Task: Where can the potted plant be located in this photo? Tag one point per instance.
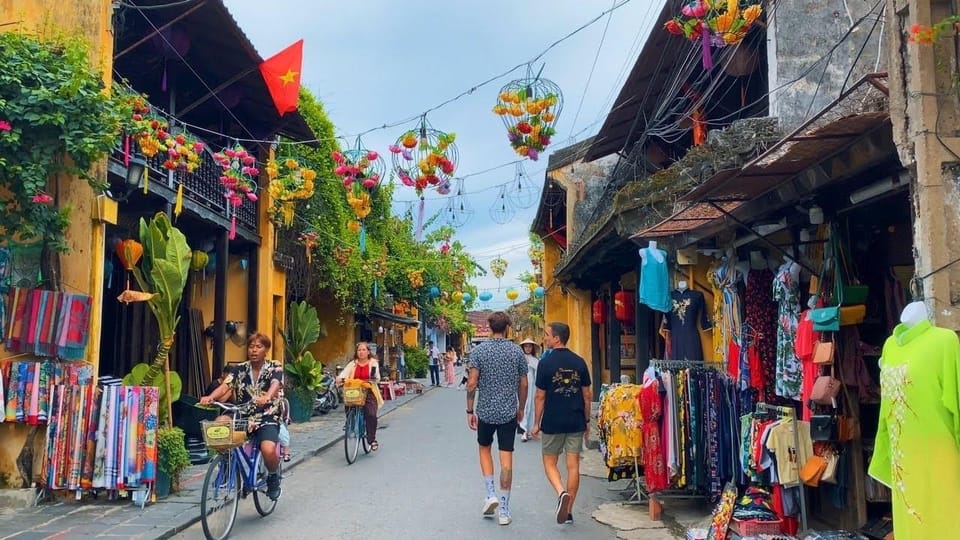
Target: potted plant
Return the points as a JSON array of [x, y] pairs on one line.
[[173, 459], [416, 360], [303, 372]]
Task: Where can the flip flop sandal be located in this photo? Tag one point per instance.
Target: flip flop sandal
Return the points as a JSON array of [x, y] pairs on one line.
[[374, 446]]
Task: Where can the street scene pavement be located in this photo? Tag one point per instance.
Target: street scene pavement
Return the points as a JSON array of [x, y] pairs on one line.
[[424, 482]]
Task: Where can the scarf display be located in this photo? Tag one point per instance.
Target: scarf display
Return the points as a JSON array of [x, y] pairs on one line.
[[125, 439], [47, 323], [28, 391]]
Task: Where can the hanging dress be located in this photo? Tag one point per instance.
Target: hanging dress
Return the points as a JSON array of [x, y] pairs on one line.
[[917, 449], [654, 458], [789, 374], [761, 318], [720, 339]]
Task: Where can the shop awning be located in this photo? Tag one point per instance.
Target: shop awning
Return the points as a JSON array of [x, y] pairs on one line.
[[392, 317], [814, 143]]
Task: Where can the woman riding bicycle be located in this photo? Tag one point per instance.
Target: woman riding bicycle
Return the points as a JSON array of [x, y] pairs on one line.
[[257, 380], [365, 367]]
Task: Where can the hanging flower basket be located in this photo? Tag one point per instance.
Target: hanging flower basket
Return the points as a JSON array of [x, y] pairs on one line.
[[239, 179], [715, 23], [425, 157], [529, 109], [361, 171], [289, 182]]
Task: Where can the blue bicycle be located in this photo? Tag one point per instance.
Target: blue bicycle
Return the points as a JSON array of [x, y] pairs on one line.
[[237, 471], [355, 431]]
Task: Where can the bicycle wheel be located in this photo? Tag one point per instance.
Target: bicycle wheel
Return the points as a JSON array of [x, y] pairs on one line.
[[220, 497], [363, 435], [352, 435], [265, 505]]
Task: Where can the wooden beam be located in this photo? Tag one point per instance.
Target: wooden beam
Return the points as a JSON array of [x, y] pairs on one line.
[[216, 90], [150, 35]]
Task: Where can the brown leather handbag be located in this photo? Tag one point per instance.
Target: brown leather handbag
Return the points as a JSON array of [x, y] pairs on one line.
[[823, 352]]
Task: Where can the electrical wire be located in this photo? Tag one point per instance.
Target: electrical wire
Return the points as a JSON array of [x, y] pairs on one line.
[[593, 67], [161, 6]]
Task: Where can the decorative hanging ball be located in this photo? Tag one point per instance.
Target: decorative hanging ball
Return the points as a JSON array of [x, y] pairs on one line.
[[529, 109], [623, 306], [434, 292], [425, 157], [198, 260], [485, 296], [599, 311], [129, 252], [512, 295], [539, 292], [211, 262], [457, 296], [467, 297]]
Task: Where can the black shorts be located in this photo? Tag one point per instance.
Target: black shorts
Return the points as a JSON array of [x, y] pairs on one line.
[[269, 432], [506, 434]]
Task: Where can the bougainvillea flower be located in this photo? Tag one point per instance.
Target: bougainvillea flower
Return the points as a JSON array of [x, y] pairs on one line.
[[674, 27], [5, 126], [42, 198]]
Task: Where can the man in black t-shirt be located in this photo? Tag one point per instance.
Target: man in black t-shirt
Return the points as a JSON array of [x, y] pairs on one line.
[[562, 414]]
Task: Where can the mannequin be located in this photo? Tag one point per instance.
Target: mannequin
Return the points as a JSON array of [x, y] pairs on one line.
[[917, 446], [654, 279], [688, 307], [913, 313]]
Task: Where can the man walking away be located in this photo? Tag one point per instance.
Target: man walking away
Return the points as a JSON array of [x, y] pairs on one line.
[[498, 370], [562, 413], [434, 353]]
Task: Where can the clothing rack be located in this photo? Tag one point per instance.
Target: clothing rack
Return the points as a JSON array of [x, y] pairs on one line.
[[789, 413], [682, 364]]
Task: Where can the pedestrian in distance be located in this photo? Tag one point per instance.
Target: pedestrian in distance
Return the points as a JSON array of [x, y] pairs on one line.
[[448, 370], [498, 372], [562, 412], [433, 353], [530, 353]]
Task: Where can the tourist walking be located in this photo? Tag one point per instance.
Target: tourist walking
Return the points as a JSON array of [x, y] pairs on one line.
[[530, 353], [433, 353], [498, 372], [562, 411], [449, 373]]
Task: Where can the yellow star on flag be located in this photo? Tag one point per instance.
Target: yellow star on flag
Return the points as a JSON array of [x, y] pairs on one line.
[[288, 77]]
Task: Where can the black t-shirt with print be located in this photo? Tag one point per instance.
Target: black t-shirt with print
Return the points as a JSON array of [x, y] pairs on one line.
[[562, 374]]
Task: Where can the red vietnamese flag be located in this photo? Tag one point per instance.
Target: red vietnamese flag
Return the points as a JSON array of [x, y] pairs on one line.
[[281, 72]]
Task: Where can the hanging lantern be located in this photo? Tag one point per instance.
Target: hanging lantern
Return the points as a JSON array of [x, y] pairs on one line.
[[434, 292], [529, 109], [512, 295], [457, 296], [532, 286], [623, 306], [198, 260], [129, 252], [424, 157], [599, 312], [485, 296], [467, 297], [539, 292]]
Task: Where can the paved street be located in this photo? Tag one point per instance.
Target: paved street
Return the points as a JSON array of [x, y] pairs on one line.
[[423, 483]]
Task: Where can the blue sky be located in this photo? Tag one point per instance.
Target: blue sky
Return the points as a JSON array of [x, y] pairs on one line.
[[376, 62]]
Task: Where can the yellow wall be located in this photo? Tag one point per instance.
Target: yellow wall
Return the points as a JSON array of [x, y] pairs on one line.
[[237, 285], [82, 267], [336, 342], [566, 304]]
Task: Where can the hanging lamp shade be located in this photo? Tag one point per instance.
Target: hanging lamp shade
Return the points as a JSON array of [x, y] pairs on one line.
[[129, 252], [512, 294], [434, 292], [457, 296], [467, 297], [198, 260], [539, 292], [623, 306], [599, 312], [485, 296]]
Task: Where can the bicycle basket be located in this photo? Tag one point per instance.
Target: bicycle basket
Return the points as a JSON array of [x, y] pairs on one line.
[[221, 435], [354, 396]]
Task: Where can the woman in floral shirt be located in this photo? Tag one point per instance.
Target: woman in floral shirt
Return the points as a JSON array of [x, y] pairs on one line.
[[257, 381]]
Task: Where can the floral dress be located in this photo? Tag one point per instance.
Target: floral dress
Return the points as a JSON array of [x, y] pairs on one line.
[[789, 374], [240, 380], [761, 320]]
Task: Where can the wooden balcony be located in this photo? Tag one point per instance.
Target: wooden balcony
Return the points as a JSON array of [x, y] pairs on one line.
[[203, 195]]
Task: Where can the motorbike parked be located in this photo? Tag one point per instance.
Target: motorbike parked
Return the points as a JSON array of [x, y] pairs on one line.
[[328, 395]]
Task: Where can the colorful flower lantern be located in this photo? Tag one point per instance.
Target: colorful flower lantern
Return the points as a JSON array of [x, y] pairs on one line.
[[361, 171], [623, 306], [714, 23], [239, 178], [539, 292], [424, 157], [289, 182], [529, 109], [467, 297], [599, 311], [532, 286]]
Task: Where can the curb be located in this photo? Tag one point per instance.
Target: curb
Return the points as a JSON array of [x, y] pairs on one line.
[[292, 464]]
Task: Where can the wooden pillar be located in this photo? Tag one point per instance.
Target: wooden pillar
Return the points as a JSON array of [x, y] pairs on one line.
[[220, 303]]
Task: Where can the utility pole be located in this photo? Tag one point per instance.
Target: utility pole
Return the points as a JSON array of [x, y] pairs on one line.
[[924, 112]]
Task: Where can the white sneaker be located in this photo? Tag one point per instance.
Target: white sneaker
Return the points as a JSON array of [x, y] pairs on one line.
[[490, 506], [505, 518]]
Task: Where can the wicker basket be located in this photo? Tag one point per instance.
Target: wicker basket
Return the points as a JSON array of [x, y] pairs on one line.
[[222, 435], [354, 396], [753, 527]]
